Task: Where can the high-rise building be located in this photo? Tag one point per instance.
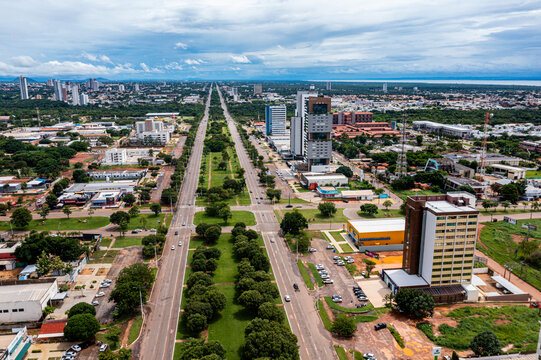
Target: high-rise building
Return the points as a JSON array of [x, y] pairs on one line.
[[75, 95], [64, 92], [83, 99], [439, 244], [275, 120], [384, 88], [94, 85], [136, 86], [317, 129], [258, 89], [328, 86], [24, 88], [297, 123], [49, 82], [121, 88], [58, 93]]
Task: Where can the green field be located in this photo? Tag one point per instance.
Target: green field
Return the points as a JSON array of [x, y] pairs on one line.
[[314, 216], [58, 224], [122, 242], [150, 221], [342, 355], [499, 245], [246, 217], [517, 325], [305, 275], [382, 213], [533, 174], [403, 194], [106, 241]]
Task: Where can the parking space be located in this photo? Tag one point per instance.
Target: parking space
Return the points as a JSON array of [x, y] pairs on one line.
[[343, 282], [375, 289]]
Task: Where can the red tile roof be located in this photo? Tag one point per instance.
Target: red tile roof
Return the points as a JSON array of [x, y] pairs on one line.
[[53, 327]]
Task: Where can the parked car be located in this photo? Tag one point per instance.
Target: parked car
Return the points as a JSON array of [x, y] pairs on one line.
[[330, 247], [176, 232], [75, 348], [70, 353], [324, 276], [152, 230], [272, 240], [103, 347], [312, 250], [184, 223], [104, 285], [287, 298], [100, 294], [296, 286], [107, 281], [173, 247], [289, 206], [341, 263], [328, 281], [95, 303], [337, 300], [368, 355], [320, 267], [380, 326]]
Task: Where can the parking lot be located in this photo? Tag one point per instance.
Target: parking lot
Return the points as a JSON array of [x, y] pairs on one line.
[[375, 289], [343, 282]]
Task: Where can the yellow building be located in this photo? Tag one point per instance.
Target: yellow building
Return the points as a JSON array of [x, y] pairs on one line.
[[376, 232]]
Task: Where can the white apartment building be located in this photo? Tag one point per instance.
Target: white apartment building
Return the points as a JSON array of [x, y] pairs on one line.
[[75, 100], [275, 120], [24, 87], [127, 156]]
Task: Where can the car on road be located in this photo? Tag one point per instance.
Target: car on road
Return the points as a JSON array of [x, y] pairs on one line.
[[324, 276], [272, 240], [76, 348], [100, 294], [152, 230], [346, 201], [321, 272], [289, 206], [380, 326], [173, 247], [330, 247], [287, 298], [180, 243], [312, 250], [176, 232], [107, 281], [134, 231], [340, 263], [296, 286], [104, 285], [337, 300], [95, 303], [184, 223], [328, 281], [368, 355], [299, 206], [103, 347]]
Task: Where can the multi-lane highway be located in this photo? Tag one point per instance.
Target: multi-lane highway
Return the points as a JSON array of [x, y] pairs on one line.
[[157, 339], [314, 341]]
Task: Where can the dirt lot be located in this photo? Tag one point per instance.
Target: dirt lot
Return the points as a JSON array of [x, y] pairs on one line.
[[87, 271], [10, 274], [102, 271], [387, 260], [83, 157]]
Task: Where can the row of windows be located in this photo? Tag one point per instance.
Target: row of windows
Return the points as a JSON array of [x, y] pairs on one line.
[[451, 256], [453, 217], [12, 310]]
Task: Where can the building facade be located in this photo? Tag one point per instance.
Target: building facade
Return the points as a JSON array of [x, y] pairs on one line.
[[275, 120], [23, 85]]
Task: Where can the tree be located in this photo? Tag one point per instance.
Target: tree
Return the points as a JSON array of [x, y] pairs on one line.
[[201, 228], [81, 327], [326, 209], [225, 214], [293, 222], [455, 356], [67, 210], [369, 209], [486, 344], [196, 323], [118, 217], [43, 264], [21, 217], [212, 234], [270, 312], [510, 192], [81, 308], [419, 140], [505, 204], [251, 299], [415, 303], [468, 189], [344, 325], [345, 170], [134, 211], [145, 196], [129, 199], [387, 204], [122, 354], [156, 208], [57, 264], [80, 176], [44, 211]]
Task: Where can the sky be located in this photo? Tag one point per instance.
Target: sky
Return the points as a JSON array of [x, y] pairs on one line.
[[271, 39]]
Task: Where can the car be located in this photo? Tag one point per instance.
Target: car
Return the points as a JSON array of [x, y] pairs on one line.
[[152, 230], [362, 298], [184, 223], [312, 250], [324, 276], [76, 348], [287, 298], [134, 231], [336, 257], [336, 296], [259, 202], [328, 281], [299, 206], [103, 347], [180, 243], [320, 267], [360, 306], [321, 272], [329, 247], [176, 232], [67, 357], [107, 281], [104, 285], [100, 294], [346, 201], [295, 286], [446, 357], [363, 273], [70, 353], [380, 326], [350, 261], [95, 303], [173, 247], [341, 263], [534, 305], [368, 355], [337, 300]]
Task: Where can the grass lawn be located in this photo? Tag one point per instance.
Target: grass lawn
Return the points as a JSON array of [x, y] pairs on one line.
[[533, 174], [305, 275], [315, 274], [502, 211], [278, 217], [324, 316], [106, 241], [346, 248], [499, 245], [403, 194], [229, 328], [336, 236], [517, 325], [110, 256], [96, 256], [74, 223], [122, 242], [314, 216], [135, 329], [342, 355], [238, 216], [382, 213], [337, 307], [148, 220]]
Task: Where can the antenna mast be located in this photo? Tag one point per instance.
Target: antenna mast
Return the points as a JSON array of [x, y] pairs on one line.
[[401, 162]]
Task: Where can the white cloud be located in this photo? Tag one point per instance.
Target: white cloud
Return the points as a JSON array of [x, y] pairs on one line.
[[173, 66], [240, 59], [106, 59], [88, 56], [145, 67], [55, 67], [181, 45], [193, 61], [23, 61]]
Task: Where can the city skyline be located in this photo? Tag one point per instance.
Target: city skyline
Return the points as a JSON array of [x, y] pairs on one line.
[[294, 40]]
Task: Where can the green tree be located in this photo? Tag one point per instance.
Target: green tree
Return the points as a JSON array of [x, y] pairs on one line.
[[212, 234], [345, 170], [369, 209], [270, 311], [506, 204], [326, 208], [225, 214], [81, 327], [251, 299], [415, 303], [455, 356], [21, 217], [80, 176], [118, 217], [486, 344], [387, 204], [155, 208], [510, 192], [196, 323], [293, 223], [43, 264], [81, 308], [44, 211], [67, 211], [129, 199], [57, 264], [122, 354], [134, 211], [344, 326]]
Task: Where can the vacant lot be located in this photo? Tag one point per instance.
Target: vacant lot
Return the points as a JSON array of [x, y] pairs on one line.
[[78, 223], [238, 216]]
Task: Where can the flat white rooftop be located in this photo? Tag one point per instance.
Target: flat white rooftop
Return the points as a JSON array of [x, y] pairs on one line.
[[25, 292], [402, 278], [375, 225], [447, 207]]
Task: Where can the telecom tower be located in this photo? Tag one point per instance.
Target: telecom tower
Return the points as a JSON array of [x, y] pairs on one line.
[[401, 163], [482, 166]]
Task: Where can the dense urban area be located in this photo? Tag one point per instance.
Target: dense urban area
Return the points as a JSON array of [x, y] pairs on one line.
[[269, 220]]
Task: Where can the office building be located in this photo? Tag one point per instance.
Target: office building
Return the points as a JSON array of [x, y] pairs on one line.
[[152, 132], [136, 86], [58, 93], [275, 120], [328, 86], [386, 234], [24, 88], [258, 89], [94, 85], [384, 87], [49, 82], [297, 123], [75, 95], [317, 129], [121, 87], [83, 99], [24, 301]]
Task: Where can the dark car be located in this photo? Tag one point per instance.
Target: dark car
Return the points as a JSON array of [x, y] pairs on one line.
[[295, 286], [380, 326]]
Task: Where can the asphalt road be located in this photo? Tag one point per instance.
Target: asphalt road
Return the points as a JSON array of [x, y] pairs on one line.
[[313, 340], [157, 339]]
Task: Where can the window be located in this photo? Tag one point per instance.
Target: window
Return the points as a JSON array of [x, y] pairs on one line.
[[5, 310], [21, 310], [14, 310]]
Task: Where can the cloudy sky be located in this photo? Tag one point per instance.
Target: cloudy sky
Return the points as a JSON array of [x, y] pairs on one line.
[[271, 39]]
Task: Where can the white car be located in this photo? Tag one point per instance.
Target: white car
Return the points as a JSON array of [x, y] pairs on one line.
[[100, 294], [328, 281], [180, 243], [287, 298], [104, 285], [368, 355], [173, 247], [103, 347], [95, 303], [152, 230], [272, 240], [76, 348]]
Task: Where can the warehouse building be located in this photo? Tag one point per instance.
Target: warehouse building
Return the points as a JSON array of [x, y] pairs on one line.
[[377, 234], [24, 301]]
